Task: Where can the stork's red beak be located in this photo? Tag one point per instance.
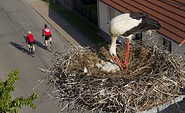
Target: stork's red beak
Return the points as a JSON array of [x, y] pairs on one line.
[[116, 59]]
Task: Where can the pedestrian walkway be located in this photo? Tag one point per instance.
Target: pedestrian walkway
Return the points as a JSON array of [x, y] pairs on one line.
[[59, 23]]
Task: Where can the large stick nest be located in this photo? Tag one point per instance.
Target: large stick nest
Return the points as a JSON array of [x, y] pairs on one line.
[[154, 77]]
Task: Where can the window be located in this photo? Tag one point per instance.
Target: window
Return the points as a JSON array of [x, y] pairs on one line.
[[167, 44]]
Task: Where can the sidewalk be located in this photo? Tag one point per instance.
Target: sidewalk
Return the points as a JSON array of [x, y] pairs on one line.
[[61, 25]]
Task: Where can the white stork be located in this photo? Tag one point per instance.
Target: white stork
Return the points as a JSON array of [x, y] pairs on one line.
[[126, 26]]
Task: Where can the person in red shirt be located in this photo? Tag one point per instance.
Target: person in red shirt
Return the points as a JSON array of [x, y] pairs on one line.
[[30, 40], [46, 32]]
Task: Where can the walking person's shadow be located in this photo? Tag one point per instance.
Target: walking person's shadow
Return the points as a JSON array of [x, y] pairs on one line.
[[37, 43], [22, 49], [40, 44]]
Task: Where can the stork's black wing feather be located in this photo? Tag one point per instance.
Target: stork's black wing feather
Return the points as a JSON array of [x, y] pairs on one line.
[[138, 15], [146, 24]]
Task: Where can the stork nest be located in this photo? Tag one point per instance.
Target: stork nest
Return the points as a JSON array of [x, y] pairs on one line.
[[154, 76]]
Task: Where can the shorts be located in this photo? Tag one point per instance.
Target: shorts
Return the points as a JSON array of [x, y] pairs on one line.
[[31, 43], [47, 37]]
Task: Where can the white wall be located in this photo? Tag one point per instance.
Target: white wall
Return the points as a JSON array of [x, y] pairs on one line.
[[103, 16]]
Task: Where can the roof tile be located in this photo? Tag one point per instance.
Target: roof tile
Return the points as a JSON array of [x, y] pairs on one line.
[[170, 14]]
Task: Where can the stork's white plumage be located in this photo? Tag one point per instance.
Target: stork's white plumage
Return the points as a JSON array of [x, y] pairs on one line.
[[126, 26]]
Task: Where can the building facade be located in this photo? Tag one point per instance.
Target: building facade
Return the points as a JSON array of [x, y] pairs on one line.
[[169, 14]]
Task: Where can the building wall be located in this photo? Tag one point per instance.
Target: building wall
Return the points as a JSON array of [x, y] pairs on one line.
[[157, 39], [77, 5], [179, 50], [103, 16], [66, 3], [103, 25]]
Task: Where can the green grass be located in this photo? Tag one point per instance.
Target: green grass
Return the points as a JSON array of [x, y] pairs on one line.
[[78, 22]]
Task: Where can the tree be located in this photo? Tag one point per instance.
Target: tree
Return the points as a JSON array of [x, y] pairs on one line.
[[7, 104]]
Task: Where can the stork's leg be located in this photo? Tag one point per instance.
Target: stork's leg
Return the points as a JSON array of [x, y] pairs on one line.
[[127, 53], [116, 59]]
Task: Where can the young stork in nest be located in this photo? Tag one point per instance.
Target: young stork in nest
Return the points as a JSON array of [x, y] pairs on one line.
[[126, 26]]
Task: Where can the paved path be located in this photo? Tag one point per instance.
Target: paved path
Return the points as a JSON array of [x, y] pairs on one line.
[[65, 28], [16, 18]]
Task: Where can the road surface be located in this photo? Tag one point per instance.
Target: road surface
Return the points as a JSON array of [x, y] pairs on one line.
[[16, 18]]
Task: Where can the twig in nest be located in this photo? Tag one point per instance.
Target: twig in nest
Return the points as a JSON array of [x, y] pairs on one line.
[[155, 76]]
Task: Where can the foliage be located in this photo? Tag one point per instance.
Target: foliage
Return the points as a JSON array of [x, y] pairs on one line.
[[7, 104], [88, 2]]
